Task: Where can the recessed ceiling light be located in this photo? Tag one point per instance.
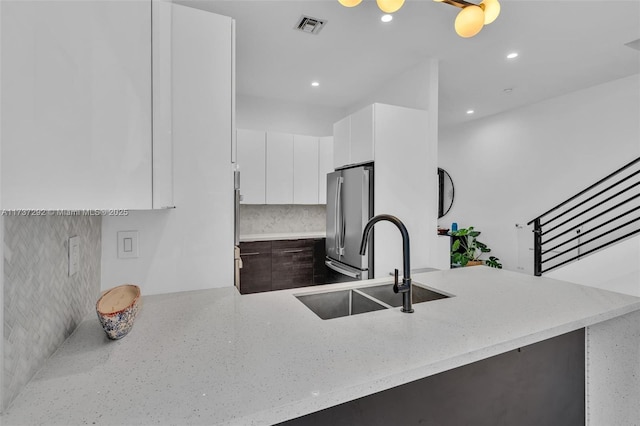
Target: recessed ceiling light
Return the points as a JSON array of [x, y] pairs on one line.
[[315, 83], [512, 55], [386, 18], [470, 111]]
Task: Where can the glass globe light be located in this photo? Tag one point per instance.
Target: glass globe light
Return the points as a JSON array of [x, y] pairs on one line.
[[390, 6], [491, 10], [350, 3], [469, 21]]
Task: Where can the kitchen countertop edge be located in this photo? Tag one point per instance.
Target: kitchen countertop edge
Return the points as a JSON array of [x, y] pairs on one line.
[[281, 236]]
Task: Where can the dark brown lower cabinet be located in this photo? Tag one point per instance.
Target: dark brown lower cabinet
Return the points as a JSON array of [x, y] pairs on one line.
[[291, 264], [255, 274], [319, 256], [281, 264]]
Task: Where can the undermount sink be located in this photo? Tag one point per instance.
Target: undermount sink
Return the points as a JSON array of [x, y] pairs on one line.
[[353, 301], [384, 293], [341, 303]]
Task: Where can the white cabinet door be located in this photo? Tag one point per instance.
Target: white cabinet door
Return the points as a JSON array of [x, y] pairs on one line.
[[251, 158], [162, 117], [341, 142], [279, 168], [76, 105], [305, 169], [362, 138], [325, 165], [198, 235]]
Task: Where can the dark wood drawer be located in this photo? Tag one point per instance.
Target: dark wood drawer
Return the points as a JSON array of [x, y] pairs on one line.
[[292, 264], [255, 247], [292, 244], [255, 275]]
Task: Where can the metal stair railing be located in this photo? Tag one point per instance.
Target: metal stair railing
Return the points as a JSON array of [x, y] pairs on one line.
[[606, 212]]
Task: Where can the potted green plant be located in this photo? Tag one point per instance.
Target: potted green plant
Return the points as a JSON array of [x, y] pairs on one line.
[[466, 249]]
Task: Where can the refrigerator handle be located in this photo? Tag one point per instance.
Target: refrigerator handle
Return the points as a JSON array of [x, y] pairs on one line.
[[336, 209], [350, 272], [340, 220]]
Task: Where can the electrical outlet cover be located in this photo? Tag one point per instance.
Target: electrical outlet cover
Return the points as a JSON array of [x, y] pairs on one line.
[[74, 255], [127, 244]]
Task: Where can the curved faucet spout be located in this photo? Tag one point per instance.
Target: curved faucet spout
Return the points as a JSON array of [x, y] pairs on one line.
[[405, 288]]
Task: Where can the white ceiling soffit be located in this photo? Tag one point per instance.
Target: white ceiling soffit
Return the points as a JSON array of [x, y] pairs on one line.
[[564, 45]]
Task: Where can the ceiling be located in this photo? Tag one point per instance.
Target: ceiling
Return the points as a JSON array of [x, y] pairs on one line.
[[563, 46]]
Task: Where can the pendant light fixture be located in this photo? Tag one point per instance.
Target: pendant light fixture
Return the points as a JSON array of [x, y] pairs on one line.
[[387, 6], [473, 17], [491, 10], [349, 3], [469, 22], [390, 6]]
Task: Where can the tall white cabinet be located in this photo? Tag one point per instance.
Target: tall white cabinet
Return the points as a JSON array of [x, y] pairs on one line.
[[396, 140], [190, 247], [76, 105]]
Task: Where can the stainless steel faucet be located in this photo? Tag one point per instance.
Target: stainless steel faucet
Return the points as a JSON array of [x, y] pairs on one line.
[[405, 287]]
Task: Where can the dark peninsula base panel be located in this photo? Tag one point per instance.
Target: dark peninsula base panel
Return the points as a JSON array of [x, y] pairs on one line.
[[541, 384]]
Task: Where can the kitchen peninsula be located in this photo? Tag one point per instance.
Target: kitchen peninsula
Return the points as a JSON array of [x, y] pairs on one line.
[[218, 357]]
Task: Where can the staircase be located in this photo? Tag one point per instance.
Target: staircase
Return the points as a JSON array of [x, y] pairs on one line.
[[599, 216]]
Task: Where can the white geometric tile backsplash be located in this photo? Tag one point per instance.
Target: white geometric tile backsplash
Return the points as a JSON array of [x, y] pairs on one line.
[[42, 304], [272, 218]]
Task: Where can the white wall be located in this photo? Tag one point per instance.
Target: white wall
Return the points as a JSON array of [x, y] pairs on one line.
[[511, 167], [412, 89], [256, 113], [616, 268]]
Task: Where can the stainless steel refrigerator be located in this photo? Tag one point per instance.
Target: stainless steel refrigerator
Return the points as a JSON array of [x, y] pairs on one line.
[[349, 208]]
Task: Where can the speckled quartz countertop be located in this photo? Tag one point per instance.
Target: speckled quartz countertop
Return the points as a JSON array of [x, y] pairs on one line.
[[216, 357], [282, 236]]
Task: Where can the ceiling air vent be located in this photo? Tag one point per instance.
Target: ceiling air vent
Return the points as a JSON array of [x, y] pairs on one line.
[[310, 25], [635, 44]]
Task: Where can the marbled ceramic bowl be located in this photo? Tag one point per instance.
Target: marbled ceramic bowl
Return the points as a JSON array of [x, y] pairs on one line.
[[117, 309]]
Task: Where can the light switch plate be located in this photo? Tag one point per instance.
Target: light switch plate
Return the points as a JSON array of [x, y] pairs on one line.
[[127, 244], [74, 255]]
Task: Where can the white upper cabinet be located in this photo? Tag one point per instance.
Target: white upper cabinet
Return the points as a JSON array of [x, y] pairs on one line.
[[282, 168], [325, 165], [361, 148], [76, 105], [341, 142], [305, 169], [251, 157], [353, 138], [279, 168]]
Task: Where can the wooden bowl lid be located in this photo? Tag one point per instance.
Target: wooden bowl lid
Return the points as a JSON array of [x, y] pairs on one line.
[[118, 299]]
